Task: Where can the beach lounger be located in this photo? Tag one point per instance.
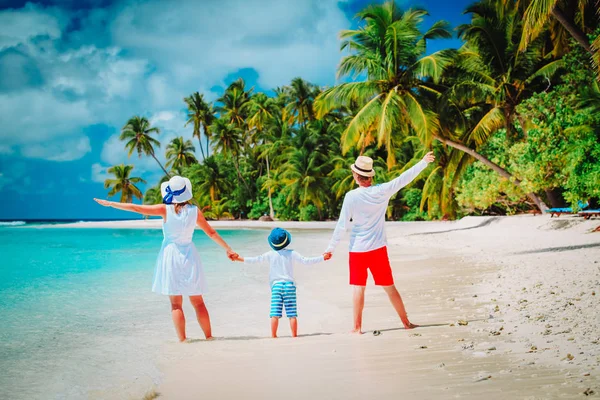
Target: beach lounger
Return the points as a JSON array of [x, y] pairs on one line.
[[587, 214], [557, 211], [564, 210]]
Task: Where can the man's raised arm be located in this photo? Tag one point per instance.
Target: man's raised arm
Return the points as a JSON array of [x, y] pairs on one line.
[[393, 186]]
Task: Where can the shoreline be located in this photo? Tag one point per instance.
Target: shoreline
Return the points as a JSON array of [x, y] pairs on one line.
[[156, 223]]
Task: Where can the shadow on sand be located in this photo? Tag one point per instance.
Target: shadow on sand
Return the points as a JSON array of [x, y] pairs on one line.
[[480, 225], [232, 338], [558, 249], [426, 326]]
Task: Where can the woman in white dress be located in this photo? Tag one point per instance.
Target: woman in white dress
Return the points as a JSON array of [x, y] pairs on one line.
[[179, 270]]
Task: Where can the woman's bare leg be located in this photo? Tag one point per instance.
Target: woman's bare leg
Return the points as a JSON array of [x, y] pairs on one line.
[[202, 315], [359, 304], [178, 317], [274, 326], [294, 326], [396, 301]]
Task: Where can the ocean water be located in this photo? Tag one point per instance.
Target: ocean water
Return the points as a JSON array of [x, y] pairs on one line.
[[77, 315]]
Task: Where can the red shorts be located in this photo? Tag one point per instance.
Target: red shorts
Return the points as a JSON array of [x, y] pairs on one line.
[[377, 261]]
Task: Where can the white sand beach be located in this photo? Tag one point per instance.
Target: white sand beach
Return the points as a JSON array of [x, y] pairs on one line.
[[528, 287]]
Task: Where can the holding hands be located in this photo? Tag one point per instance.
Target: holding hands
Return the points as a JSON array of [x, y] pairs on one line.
[[232, 255]]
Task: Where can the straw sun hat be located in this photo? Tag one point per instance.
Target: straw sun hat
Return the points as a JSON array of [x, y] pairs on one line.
[[363, 166], [176, 190]]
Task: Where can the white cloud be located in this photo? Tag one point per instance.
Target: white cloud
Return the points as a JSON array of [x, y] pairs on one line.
[[67, 149], [18, 26], [206, 40], [99, 173], [37, 114]]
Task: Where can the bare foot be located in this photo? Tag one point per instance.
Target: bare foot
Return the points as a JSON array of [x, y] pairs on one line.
[[274, 337], [356, 331], [410, 325], [210, 338]]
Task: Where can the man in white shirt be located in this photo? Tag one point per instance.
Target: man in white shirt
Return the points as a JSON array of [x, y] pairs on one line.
[[363, 212]]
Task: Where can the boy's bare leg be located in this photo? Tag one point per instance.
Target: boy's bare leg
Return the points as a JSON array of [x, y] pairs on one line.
[[396, 301], [202, 315], [294, 326], [178, 317], [274, 326], [358, 305]]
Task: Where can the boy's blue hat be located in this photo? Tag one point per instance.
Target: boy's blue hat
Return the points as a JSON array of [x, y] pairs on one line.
[[279, 239]]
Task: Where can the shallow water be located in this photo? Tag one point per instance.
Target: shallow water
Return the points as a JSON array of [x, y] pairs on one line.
[[77, 312]]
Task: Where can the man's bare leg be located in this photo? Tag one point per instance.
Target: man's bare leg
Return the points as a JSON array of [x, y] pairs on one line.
[[396, 301], [294, 326], [358, 303], [274, 326]]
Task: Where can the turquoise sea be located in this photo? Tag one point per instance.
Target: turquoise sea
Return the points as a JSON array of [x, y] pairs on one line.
[[77, 314]]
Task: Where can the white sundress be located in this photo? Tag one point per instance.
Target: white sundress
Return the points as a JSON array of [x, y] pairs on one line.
[[178, 267]]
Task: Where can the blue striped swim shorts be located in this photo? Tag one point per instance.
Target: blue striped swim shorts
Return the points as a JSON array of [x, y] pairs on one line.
[[283, 294]]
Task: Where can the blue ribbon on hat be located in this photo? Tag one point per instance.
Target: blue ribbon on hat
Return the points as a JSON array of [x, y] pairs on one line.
[[168, 199]]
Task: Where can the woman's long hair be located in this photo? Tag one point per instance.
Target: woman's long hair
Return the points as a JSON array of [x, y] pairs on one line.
[[180, 206]]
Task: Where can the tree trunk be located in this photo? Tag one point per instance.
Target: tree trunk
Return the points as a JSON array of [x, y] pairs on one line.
[[495, 167], [577, 34], [555, 197], [522, 123], [207, 139], [271, 211], [160, 165], [201, 149], [237, 168]]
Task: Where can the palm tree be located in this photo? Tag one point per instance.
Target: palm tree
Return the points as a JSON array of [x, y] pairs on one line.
[[213, 179], [235, 103], [123, 183], [218, 210], [262, 111], [227, 139], [153, 196], [180, 153], [390, 50], [200, 113], [305, 178], [301, 96], [137, 132]]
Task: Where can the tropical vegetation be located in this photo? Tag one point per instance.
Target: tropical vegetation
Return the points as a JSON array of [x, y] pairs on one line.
[[513, 116]]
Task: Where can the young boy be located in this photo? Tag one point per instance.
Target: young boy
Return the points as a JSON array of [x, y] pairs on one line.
[[281, 277]]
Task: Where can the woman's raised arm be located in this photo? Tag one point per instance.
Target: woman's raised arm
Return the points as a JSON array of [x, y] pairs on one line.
[[211, 233], [158, 210]]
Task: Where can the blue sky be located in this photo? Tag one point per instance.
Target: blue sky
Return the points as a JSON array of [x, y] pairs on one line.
[[72, 72]]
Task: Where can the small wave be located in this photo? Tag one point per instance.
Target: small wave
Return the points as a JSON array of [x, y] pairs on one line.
[[12, 223]]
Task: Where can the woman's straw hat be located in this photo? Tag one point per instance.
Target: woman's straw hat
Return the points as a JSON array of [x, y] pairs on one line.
[[176, 190], [363, 166]]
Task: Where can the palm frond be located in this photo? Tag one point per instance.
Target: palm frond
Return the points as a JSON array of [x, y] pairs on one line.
[[362, 121], [487, 126], [534, 20]]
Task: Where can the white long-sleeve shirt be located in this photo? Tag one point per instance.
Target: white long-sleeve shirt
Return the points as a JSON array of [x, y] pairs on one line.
[[363, 212], [282, 263]]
